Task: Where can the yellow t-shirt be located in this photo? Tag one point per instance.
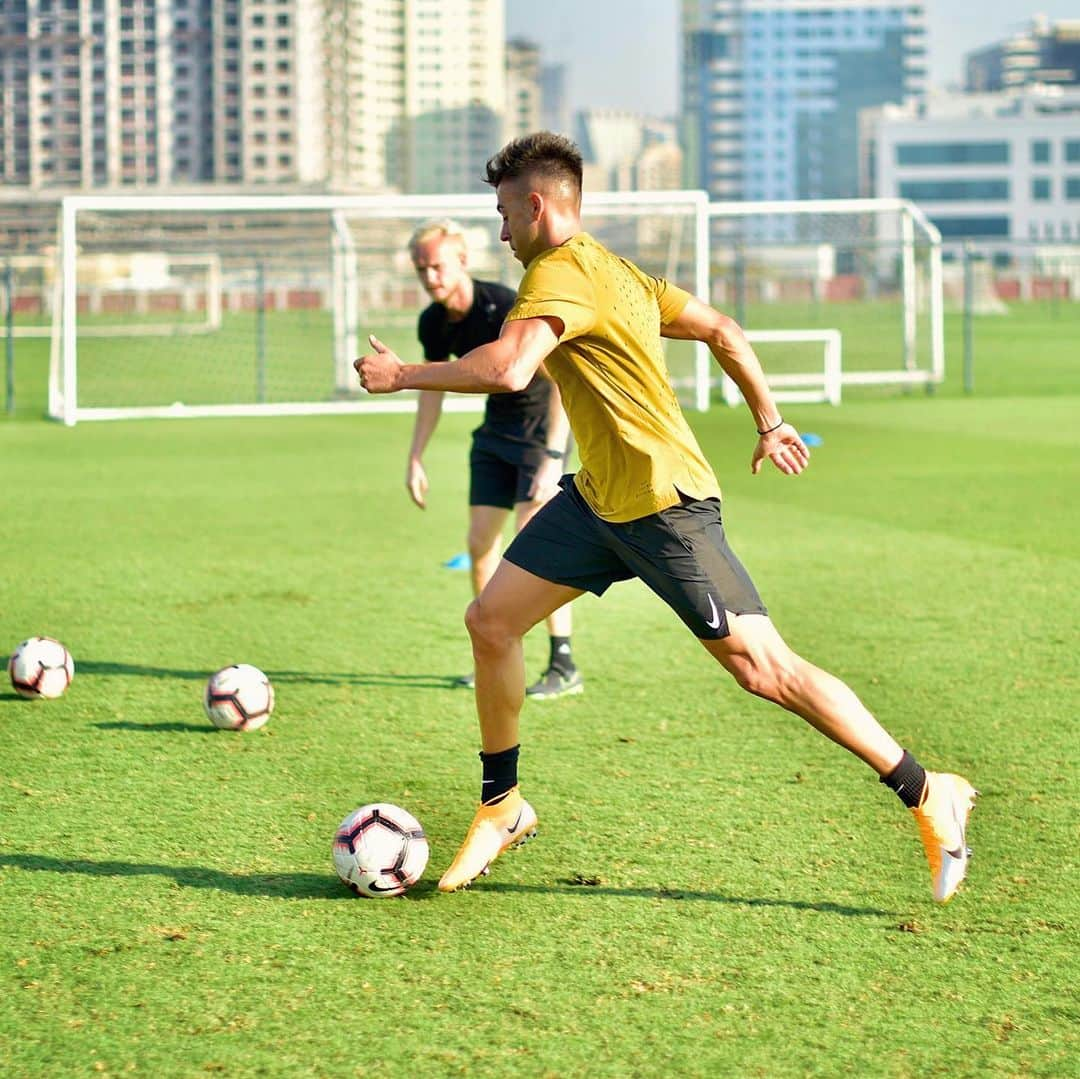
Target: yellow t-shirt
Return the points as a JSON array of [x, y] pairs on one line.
[[637, 450]]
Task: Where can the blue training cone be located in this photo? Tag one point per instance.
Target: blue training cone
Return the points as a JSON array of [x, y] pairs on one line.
[[810, 439], [459, 561]]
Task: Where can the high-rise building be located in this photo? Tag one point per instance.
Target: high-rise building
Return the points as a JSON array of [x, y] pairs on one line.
[[554, 110], [133, 93], [354, 94], [1044, 52], [771, 90], [454, 92], [523, 90], [614, 141]]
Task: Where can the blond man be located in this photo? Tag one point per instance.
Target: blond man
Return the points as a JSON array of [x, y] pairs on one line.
[[521, 431]]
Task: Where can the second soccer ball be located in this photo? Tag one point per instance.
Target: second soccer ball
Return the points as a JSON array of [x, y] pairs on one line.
[[40, 667], [238, 698]]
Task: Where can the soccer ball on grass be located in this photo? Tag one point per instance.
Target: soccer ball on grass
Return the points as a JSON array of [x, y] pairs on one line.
[[41, 667], [380, 850], [238, 698]]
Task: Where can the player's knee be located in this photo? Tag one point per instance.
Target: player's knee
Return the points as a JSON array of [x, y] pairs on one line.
[[486, 629], [751, 677], [773, 678], [481, 547]]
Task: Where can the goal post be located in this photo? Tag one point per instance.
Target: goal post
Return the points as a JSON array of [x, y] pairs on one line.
[[299, 282], [867, 269], [798, 385]]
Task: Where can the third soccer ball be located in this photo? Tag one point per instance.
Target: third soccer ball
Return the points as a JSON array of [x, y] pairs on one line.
[[41, 667], [239, 698], [380, 850]]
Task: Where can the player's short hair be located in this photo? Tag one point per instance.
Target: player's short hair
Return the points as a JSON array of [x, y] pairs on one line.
[[441, 227], [541, 155]]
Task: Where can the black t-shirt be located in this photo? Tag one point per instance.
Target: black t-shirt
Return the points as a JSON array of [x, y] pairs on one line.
[[521, 416]]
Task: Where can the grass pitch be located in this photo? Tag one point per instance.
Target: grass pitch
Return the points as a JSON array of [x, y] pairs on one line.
[[716, 890]]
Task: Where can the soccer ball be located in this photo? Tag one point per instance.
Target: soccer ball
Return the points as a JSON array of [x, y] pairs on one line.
[[380, 850], [41, 667], [239, 698]]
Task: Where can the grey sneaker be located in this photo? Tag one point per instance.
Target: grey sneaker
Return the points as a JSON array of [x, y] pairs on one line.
[[465, 681], [554, 683]]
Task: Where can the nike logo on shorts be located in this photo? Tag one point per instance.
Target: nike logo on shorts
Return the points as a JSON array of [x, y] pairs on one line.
[[714, 622]]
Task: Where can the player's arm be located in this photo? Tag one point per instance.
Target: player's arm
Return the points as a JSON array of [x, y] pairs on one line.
[[504, 365], [428, 411], [777, 440]]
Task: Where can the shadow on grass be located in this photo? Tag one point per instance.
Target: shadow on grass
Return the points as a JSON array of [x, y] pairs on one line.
[[157, 728], [318, 678], [276, 885], [679, 895], [327, 886]]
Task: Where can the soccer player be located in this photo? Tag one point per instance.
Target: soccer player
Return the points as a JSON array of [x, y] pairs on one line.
[[645, 502], [517, 452]]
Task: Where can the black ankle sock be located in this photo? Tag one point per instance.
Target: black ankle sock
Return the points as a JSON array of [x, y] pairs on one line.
[[500, 774], [562, 659], [908, 779]]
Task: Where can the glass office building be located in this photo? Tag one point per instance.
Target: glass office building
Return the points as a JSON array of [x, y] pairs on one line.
[[772, 90]]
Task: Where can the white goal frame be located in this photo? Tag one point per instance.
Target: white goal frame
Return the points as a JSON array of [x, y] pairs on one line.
[[63, 366], [823, 387], [913, 223], [690, 208]]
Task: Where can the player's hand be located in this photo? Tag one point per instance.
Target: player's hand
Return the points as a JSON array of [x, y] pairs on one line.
[[379, 370], [784, 448], [417, 482], [545, 483]]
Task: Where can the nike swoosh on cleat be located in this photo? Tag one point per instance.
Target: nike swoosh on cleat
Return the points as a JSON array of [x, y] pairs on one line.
[[959, 852], [513, 828]]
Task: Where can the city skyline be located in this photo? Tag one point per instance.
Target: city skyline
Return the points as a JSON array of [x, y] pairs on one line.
[[624, 53]]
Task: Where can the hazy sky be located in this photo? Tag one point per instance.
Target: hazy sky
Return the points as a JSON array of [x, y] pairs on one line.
[[623, 53]]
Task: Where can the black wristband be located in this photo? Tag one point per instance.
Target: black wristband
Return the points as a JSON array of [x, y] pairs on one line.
[[775, 427], [555, 455]]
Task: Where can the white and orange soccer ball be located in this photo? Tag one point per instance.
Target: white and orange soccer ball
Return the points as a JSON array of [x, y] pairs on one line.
[[238, 698], [380, 850], [41, 667]]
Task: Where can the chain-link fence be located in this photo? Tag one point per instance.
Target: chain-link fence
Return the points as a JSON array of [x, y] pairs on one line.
[[986, 282]]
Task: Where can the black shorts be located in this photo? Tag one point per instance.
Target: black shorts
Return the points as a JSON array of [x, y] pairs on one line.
[[680, 553], [501, 471]]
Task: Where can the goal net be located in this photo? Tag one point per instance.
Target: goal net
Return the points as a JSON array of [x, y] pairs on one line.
[[122, 294], [290, 288], [250, 305], [856, 268]]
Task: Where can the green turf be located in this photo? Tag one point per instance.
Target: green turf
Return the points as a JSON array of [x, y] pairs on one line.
[[716, 890]]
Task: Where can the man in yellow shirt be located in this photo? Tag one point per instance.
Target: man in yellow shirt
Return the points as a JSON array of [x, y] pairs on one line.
[[645, 502]]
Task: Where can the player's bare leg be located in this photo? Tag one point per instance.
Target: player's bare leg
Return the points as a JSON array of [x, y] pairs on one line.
[[567, 679], [484, 541], [511, 604], [763, 664]]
